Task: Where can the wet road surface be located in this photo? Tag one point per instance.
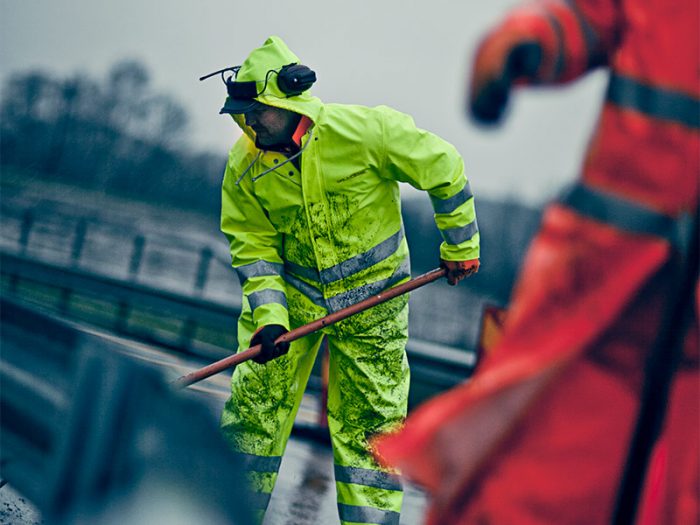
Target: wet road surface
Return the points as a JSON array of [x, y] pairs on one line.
[[305, 490]]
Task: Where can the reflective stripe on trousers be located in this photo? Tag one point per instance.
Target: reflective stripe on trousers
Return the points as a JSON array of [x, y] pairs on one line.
[[262, 473], [355, 514], [366, 478]]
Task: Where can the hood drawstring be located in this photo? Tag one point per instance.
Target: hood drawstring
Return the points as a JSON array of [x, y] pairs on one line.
[[311, 133], [248, 168]]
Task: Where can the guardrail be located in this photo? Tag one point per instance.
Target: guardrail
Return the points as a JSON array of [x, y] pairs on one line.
[[434, 367], [121, 249], [71, 282]]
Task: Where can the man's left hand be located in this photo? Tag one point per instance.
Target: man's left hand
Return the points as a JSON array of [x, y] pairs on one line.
[[458, 270], [266, 337]]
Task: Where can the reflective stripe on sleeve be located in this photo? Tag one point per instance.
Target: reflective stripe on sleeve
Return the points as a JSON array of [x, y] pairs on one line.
[[262, 297], [367, 477], [460, 234], [619, 212], [258, 269], [452, 203], [357, 514], [653, 101]]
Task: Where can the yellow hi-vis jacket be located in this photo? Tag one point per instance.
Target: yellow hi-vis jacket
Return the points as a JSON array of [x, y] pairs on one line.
[[333, 230]]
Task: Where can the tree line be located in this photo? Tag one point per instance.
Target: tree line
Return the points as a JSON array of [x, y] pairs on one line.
[[117, 134]]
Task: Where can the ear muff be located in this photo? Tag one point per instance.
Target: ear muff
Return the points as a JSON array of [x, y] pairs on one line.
[[294, 79]]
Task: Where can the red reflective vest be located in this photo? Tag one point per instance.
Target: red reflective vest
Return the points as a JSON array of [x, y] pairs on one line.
[[540, 435]]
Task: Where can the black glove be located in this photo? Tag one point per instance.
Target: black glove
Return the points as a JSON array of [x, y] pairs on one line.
[[493, 78], [266, 336]]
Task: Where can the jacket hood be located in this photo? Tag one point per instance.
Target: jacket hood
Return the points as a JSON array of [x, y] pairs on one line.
[[263, 63]]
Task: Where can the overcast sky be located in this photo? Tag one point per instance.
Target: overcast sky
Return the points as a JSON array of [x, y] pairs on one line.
[[413, 56]]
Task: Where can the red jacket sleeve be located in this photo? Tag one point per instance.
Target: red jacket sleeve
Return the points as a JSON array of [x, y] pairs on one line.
[[575, 36]]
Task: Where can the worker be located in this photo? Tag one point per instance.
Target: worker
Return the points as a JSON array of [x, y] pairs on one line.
[[311, 208], [542, 433]]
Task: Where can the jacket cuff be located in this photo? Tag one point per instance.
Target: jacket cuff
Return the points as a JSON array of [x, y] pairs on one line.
[[461, 252], [271, 313]]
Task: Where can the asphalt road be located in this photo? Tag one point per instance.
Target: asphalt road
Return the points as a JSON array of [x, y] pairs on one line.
[[304, 494], [305, 491]]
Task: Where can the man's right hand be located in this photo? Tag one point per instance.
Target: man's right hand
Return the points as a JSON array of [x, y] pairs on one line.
[[266, 337], [501, 60], [458, 270]]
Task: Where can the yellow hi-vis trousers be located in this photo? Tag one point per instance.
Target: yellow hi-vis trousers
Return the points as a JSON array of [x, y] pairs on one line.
[[367, 394]]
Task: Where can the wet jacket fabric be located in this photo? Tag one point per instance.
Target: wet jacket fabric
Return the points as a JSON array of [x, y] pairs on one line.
[[556, 402], [309, 241]]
